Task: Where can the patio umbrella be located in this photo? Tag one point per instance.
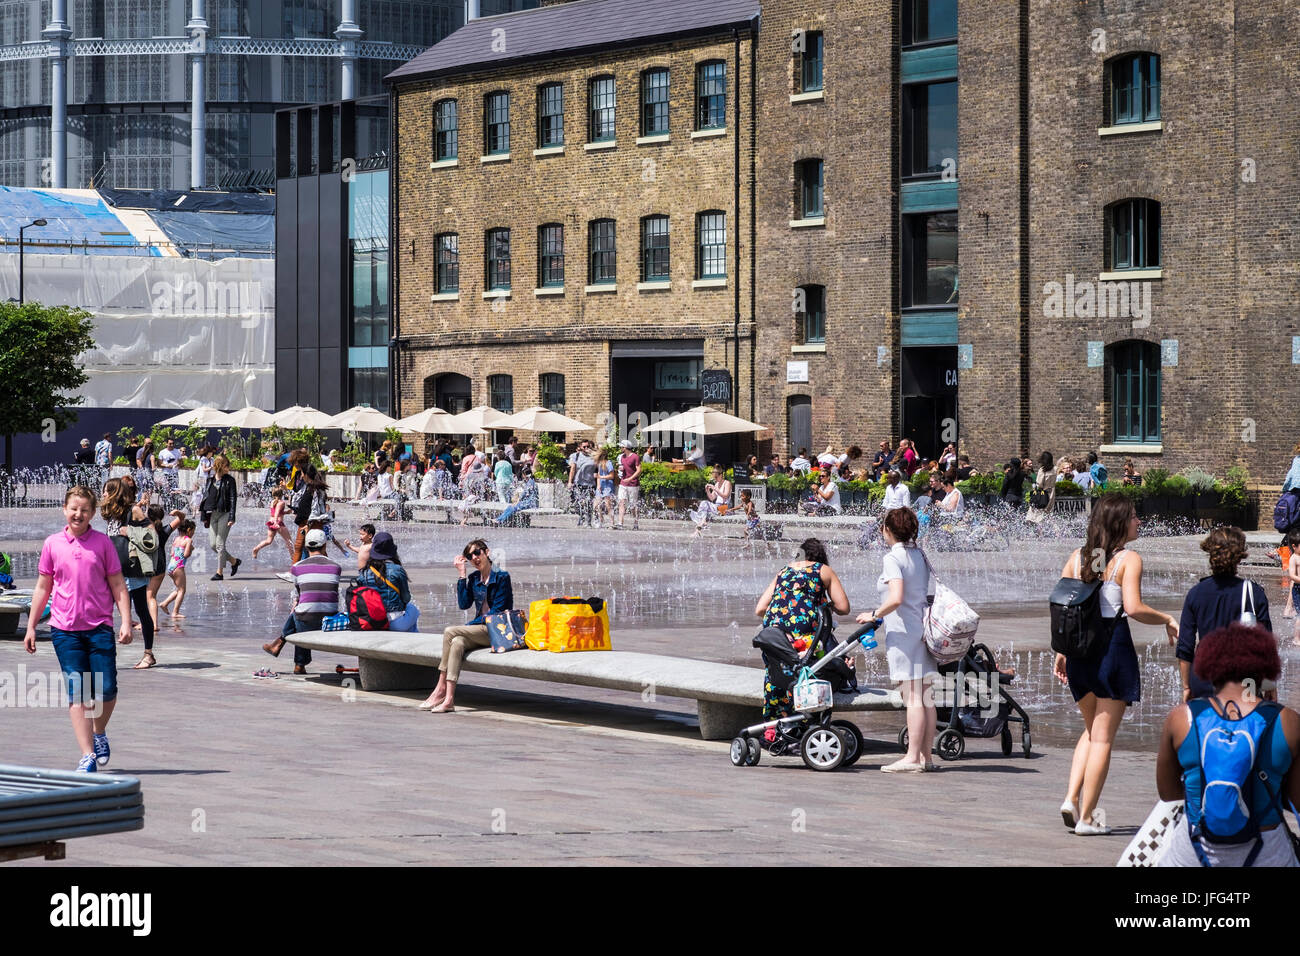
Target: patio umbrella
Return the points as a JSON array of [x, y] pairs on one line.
[[431, 421], [703, 420], [476, 420], [203, 416], [301, 416], [539, 419], [248, 417], [361, 418]]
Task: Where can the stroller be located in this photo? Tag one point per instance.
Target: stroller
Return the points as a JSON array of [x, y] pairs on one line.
[[822, 742], [969, 711]]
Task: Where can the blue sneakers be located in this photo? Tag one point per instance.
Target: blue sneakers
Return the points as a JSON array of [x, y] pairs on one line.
[[102, 753], [87, 764]]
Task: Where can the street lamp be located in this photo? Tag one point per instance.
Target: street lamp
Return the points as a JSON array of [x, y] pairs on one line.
[[21, 229]]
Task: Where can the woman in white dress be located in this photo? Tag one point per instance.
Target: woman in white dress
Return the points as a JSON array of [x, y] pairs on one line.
[[903, 584]]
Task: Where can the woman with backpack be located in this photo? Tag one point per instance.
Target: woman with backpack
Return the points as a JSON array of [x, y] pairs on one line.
[[384, 573], [1217, 601], [219, 514], [1196, 760], [1106, 682]]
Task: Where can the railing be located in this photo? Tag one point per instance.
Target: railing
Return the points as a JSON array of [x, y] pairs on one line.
[[225, 46]]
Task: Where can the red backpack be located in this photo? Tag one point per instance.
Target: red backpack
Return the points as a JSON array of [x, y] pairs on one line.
[[366, 608]]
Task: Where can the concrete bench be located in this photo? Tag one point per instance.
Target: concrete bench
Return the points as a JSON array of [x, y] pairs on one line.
[[13, 604], [728, 697], [450, 509]]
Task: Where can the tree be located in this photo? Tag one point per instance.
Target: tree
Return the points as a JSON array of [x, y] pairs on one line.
[[42, 379]]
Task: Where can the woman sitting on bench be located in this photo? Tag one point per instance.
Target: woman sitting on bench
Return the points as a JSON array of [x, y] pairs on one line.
[[490, 592]]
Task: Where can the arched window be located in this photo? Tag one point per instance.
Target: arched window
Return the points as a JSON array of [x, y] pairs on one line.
[[1133, 240], [654, 249], [810, 306], [808, 62], [1135, 392], [654, 102], [445, 130], [600, 108], [600, 244], [497, 254], [551, 386], [496, 123], [448, 249], [501, 393], [711, 95], [711, 245], [550, 115], [1135, 89], [550, 255], [808, 189]]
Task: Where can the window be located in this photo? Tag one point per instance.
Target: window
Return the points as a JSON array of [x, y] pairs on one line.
[[369, 386], [448, 245], [808, 183], [929, 128], [496, 123], [501, 393], [1135, 89], [813, 319], [444, 130], [1135, 395], [497, 248], [552, 389], [654, 102], [550, 255], [808, 66], [711, 95], [550, 115], [929, 21], [654, 249], [1134, 234], [930, 259], [600, 97], [712, 245], [601, 246]]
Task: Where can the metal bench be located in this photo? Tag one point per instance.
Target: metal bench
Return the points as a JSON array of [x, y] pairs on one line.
[[728, 697], [39, 808]]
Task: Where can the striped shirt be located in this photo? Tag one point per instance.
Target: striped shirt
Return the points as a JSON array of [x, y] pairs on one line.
[[316, 579]]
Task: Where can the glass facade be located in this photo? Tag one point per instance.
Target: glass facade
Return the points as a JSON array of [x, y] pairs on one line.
[[368, 318], [930, 259], [929, 128]]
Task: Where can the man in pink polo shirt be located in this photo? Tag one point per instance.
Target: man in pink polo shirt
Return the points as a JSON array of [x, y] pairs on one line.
[[81, 578]]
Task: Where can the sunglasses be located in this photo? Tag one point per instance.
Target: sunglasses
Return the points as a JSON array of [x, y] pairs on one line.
[[475, 553]]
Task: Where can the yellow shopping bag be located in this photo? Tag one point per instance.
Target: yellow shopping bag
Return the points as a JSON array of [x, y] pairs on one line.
[[577, 624], [535, 634]]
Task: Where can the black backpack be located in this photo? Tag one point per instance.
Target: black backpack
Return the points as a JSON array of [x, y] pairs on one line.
[[1078, 629]]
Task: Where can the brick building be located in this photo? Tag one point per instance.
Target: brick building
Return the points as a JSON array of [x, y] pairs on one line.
[[1118, 197]]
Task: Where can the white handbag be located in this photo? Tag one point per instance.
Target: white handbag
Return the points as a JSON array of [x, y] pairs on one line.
[[949, 624], [811, 695], [1152, 839]]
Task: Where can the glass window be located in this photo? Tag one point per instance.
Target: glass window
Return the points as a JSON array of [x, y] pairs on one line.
[[498, 259], [928, 21], [550, 255], [1135, 89], [601, 99], [444, 130], [501, 393], [810, 62], [1135, 234], [552, 389], [711, 95], [654, 102], [654, 248], [601, 244], [1135, 396], [814, 313], [448, 262], [369, 386], [929, 128], [496, 123], [712, 245], [808, 179], [930, 259], [550, 115]]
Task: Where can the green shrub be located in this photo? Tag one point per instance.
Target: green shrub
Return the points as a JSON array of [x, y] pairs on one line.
[[1154, 480], [1178, 486], [550, 465], [919, 483], [1200, 479], [1068, 489]]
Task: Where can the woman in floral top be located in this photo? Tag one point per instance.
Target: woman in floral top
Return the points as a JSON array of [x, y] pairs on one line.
[[793, 602]]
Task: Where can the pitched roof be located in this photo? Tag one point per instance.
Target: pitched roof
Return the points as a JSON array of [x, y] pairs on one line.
[[567, 28]]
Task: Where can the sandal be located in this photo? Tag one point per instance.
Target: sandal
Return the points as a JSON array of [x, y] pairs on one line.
[[145, 662]]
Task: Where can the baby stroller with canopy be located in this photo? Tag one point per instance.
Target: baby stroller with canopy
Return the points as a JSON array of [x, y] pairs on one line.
[[969, 706], [823, 742]]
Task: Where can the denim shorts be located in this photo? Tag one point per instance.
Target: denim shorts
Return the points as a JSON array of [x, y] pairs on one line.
[[87, 654]]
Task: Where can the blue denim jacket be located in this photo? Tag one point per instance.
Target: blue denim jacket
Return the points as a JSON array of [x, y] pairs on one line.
[[1292, 476], [490, 597]]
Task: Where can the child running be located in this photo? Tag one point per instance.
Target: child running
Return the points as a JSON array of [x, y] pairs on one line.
[[275, 524], [182, 548], [751, 515], [1293, 575]]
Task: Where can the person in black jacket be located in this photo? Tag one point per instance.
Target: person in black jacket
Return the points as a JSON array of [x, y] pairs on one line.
[[219, 514], [1216, 602], [1013, 484]]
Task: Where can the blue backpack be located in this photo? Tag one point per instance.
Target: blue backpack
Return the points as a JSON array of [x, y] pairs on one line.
[[1230, 752], [1099, 473], [1286, 513]]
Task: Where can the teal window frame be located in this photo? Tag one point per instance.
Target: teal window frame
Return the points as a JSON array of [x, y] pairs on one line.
[[1135, 392], [601, 102], [812, 61], [809, 175], [1135, 89], [550, 115], [496, 123], [601, 246], [446, 131], [550, 255], [448, 259], [654, 101], [1134, 235], [655, 245], [711, 95], [711, 244], [814, 314], [496, 248], [916, 12]]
